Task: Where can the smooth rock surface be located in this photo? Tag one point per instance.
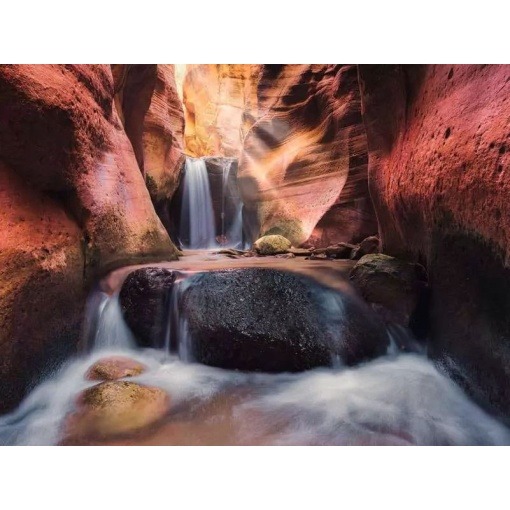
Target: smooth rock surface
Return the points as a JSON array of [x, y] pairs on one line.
[[303, 170], [116, 407], [73, 205], [114, 367]]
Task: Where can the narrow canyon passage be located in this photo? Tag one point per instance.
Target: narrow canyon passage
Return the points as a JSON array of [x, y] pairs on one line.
[[239, 254]]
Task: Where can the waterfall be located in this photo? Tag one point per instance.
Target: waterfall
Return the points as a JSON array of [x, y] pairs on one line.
[[177, 332], [104, 324], [234, 233], [197, 215], [395, 399]]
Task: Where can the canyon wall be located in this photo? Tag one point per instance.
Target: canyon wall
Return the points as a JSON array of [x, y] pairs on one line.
[[151, 111], [219, 101], [303, 170], [73, 204], [438, 160], [298, 134]]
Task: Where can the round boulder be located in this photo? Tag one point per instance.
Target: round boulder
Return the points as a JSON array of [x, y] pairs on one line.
[[272, 245], [391, 286], [268, 320], [117, 407], [114, 367], [145, 299]]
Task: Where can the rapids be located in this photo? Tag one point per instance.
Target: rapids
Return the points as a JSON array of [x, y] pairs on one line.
[[398, 399]]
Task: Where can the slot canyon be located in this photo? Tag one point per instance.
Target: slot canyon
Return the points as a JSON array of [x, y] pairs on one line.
[[241, 254]]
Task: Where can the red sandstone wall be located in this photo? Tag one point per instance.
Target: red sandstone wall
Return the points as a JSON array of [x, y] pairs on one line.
[[438, 140], [151, 111], [73, 203]]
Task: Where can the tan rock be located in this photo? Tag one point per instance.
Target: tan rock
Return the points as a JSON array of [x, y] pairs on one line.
[[114, 367], [219, 100], [116, 407]]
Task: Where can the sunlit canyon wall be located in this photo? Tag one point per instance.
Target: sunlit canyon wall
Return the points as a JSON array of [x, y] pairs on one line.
[[298, 134]]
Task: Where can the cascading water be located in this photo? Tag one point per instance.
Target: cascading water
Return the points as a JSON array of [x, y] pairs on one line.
[[396, 399], [104, 325], [197, 215], [197, 227], [234, 233]]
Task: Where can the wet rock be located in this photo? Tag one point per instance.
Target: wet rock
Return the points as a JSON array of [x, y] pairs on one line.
[[114, 367], [317, 256], [392, 286], [340, 251], [300, 252], [271, 245], [231, 251], [285, 256], [116, 407], [368, 246], [268, 320], [144, 299]]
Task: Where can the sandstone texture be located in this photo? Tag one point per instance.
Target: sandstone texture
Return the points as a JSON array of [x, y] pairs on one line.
[[219, 101], [116, 407], [438, 139], [151, 111], [303, 170], [73, 204], [272, 245]]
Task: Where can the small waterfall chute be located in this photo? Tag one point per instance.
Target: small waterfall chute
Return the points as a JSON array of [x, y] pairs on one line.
[[232, 230], [104, 326], [197, 214]]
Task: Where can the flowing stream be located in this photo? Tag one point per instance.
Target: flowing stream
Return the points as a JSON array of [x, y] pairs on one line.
[[398, 399]]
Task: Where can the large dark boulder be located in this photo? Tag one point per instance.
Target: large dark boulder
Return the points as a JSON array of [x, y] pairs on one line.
[[268, 320], [145, 300]]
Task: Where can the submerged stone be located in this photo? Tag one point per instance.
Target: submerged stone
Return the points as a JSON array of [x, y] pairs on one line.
[[275, 321]]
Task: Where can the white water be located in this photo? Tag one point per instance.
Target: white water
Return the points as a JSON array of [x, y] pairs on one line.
[[234, 233], [197, 211], [397, 399], [105, 317]]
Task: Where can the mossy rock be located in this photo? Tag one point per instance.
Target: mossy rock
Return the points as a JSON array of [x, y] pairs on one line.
[[272, 245]]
